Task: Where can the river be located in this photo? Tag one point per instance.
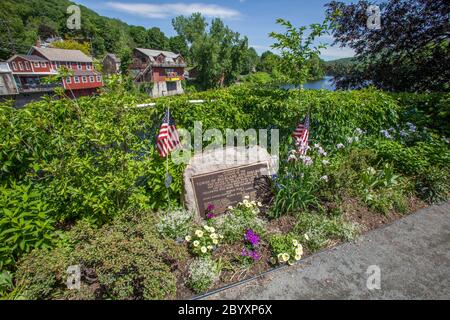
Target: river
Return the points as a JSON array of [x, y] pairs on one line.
[[325, 83]]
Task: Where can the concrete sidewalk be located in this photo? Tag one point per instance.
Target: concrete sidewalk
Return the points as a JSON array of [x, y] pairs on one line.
[[413, 254]]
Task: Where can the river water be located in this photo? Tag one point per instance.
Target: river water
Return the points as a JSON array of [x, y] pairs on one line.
[[326, 83]]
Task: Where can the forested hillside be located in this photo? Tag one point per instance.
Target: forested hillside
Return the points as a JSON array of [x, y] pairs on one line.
[[21, 22]]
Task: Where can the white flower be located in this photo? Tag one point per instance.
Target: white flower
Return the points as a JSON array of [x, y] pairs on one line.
[[325, 162], [321, 151], [299, 250], [215, 241], [230, 208], [213, 236], [210, 247], [203, 249], [199, 233], [285, 257], [306, 237], [220, 236], [297, 257], [340, 146], [206, 227], [247, 197], [325, 178], [212, 229], [188, 238], [292, 157], [295, 242], [350, 140], [316, 145], [196, 243], [259, 204], [359, 131]]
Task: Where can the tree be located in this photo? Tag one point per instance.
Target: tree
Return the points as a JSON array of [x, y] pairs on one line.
[[156, 39], [408, 52], [84, 47], [177, 44], [268, 62], [296, 50], [218, 52]]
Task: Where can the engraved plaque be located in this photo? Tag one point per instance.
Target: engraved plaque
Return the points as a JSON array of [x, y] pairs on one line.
[[227, 187]]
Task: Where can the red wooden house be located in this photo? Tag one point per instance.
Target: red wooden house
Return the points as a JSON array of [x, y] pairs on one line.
[[162, 68], [28, 71]]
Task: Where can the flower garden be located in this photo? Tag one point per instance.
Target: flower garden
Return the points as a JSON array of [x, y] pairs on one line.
[[82, 184]]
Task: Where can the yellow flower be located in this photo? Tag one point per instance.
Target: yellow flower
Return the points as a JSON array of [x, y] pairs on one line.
[[280, 257], [213, 236], [295, 242], [203, 249], [220, 236], [199, 233], [212, 230], [215, 241], [196, 243], [285, 257], [206, 227], [297, 257], [188, 238], [210, 247], [299, 250]]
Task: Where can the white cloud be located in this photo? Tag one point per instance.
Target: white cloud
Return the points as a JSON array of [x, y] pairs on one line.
[[335, 52], [161, 11]]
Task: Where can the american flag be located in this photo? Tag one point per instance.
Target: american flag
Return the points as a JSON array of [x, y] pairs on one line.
[[168, 138], [301, 135]]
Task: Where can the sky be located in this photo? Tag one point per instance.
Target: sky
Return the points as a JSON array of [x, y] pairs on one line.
[[252, 18]]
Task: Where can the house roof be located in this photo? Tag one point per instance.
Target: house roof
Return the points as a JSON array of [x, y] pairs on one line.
[[4, 67], [55, 54], [154, 53], [113, 56], [27, 57], [85, 73]]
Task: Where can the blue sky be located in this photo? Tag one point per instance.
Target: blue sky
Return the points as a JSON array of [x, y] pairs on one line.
[[252, 18]]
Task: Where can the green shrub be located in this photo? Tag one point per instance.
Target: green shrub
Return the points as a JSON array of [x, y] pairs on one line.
[[175, 223], [25, 223], [315, 230], [433, 185], [285, 249], [238, 220], [203, 273], [124, 260]]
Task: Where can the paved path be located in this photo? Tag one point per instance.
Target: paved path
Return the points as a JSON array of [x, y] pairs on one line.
[[413, 254]]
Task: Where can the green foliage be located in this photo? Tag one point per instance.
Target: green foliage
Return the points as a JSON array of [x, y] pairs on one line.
[[25, 223], [175, 223], [316, 230], [203, 272], [285, 249], [204, 241], [298, 51], [124, 260], [238, 220]]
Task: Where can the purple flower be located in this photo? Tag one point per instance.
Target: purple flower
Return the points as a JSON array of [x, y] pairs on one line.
[[252, 237], [211, 207], [251, 254], [210, 215]]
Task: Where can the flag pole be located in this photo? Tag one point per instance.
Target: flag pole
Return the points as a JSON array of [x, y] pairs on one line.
[[167, 165]]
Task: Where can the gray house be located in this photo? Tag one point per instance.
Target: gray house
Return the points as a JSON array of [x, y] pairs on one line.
[[111, 64]]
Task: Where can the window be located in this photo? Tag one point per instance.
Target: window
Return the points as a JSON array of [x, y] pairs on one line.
[[14, 65], [43, 64], [36, 64], [68, 80], [58, 64], [99, 78], [79, 66], [91, 79], [27, 65], [20, 65], [76, 79], [84, 79], [89, 66]]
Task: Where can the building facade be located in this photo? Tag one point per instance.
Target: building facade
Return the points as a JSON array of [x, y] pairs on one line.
[[163, 69], [7, 84], [111, 64], [30, 69]]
